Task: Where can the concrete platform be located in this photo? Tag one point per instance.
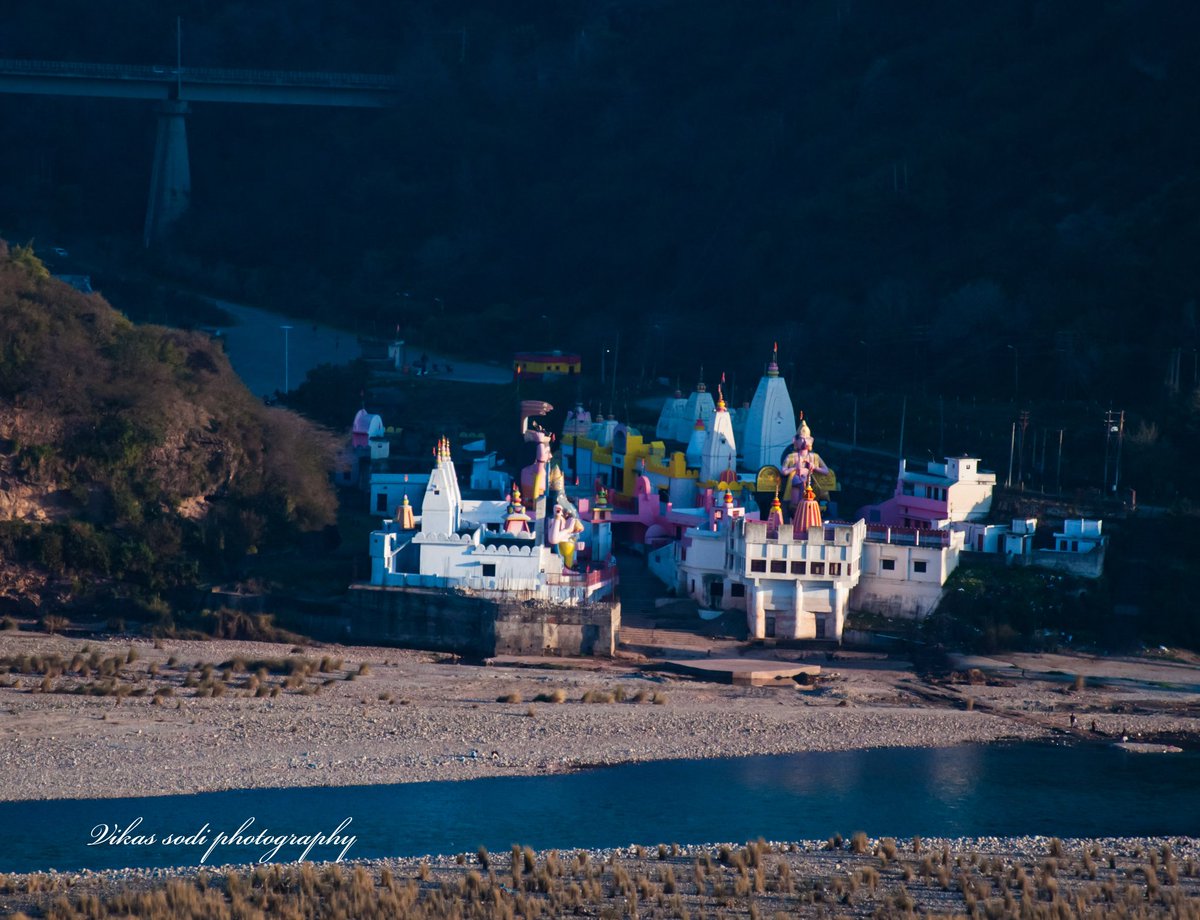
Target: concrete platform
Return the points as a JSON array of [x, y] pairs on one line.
[[744, 672]]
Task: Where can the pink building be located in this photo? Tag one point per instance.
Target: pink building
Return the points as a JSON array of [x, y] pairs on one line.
[[943, 494]]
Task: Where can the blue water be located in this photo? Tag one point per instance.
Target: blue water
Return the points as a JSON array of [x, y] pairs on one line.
[[970, 790]]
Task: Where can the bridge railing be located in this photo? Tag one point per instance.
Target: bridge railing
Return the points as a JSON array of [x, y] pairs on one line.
[[161, 73]]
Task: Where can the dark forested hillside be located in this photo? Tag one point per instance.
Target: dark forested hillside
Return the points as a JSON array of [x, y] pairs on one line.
[[989, 200], [132, 459]]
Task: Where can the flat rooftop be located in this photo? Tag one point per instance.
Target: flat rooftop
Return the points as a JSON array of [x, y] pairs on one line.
[[749, 672]]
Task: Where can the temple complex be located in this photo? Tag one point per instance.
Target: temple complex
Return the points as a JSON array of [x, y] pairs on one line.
[[753, 530]]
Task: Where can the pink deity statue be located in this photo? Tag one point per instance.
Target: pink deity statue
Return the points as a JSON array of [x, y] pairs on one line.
[[533, 477], [800, 465]]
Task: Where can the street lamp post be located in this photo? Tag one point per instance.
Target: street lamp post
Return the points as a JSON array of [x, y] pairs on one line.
[[286, 380]]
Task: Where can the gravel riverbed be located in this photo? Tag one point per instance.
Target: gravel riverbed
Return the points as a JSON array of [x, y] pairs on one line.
[[361, 715]]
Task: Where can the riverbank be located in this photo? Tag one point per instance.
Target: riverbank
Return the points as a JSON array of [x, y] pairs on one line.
[[862, 877], [122, 717]]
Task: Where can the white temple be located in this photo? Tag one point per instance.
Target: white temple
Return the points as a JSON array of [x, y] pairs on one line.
[[771, 422], [699, 406], [673, 419], [720, 446]]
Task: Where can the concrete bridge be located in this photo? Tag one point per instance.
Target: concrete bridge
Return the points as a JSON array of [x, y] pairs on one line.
[[174, 87]]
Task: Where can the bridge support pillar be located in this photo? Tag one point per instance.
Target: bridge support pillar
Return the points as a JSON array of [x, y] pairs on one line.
[[170, 178]]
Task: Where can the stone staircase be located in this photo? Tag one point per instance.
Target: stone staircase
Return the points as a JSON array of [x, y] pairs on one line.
[[659, 626], [639, 588]]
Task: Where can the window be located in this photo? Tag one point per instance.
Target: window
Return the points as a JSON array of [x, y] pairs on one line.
[[798, 568], [818, 568], [381, 501], [737, 590], [489, 569], [919, 566], [758, 565], [682, 553], [778, 566], [835, 568], [887, 565]]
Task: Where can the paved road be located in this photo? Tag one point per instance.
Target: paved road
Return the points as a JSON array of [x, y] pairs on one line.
[[256, 350]]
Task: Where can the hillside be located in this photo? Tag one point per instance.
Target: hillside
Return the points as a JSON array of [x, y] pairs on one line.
[[132, 460], [937, 181], [982, 207]]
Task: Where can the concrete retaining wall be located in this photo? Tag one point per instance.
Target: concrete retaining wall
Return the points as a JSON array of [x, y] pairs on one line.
[[445, 621]]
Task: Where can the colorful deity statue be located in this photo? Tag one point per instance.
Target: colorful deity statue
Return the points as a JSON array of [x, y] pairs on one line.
[[803, 467], [516, 521], [564, 530], [533, 477]]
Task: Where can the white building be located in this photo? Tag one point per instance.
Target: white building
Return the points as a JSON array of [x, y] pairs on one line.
[[720, 447], [672, 420], [388, 490], [368, 433], [904, 569], [770, 422], [790, 587], [462, 544], [700, 406]]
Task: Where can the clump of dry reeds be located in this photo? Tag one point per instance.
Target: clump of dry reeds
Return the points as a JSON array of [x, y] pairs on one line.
[[754, 881]]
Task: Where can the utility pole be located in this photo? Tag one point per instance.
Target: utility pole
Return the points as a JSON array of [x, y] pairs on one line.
[[1058, 471], [1042, 463], [1114, 424], [1021, 454], [903, 413], [1116, 474], [1012, 443]]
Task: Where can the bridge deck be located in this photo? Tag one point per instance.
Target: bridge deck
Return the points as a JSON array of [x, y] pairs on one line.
[[198, 84]]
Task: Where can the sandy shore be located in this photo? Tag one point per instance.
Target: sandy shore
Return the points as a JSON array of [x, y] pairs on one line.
[[389, 716]]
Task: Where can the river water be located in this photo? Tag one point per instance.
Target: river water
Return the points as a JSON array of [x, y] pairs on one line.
[[969, 790]]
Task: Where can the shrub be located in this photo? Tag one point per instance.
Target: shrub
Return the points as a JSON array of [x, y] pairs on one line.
[[554, 696], [53, 623], [513, 697], [858, 842]]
